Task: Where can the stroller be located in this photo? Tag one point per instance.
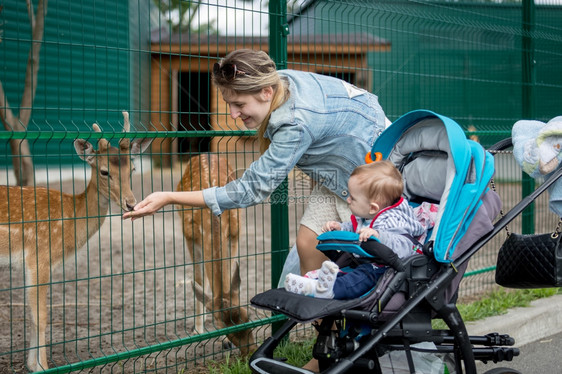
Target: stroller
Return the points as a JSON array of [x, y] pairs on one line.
[[439, 165]]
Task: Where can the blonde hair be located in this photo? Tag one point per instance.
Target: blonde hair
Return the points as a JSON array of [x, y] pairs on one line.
[[382, 180], [258, 72]]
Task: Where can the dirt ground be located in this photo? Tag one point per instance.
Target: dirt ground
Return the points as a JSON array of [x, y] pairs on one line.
[[129, 288]]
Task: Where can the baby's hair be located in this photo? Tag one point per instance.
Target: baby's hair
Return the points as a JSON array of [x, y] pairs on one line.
[[382, 181], [258, 71]]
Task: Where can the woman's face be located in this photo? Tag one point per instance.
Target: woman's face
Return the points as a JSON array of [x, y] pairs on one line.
[[251, 109]]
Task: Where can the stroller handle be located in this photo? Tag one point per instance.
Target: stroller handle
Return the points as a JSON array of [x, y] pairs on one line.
[[501, 145]]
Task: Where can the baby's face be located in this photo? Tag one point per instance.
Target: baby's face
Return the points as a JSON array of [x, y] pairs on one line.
[[358, 201]]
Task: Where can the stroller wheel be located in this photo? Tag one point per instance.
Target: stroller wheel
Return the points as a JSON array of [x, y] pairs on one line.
[[324, 364], [502, 371]]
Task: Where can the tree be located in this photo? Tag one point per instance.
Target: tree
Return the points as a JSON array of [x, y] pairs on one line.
[[180, 16], [21, 155]]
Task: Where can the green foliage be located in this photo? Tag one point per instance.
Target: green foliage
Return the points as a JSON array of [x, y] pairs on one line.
[[296, 353], [231, 365], [182, 16]]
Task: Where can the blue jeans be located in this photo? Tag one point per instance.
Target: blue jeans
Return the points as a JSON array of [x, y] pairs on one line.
[[357, 282]]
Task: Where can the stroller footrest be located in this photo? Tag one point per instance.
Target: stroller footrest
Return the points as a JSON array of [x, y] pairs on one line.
[[264, 365], [299, 307]]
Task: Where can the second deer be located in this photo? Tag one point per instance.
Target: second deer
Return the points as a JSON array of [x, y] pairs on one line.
[[213, 244], [39, 227]]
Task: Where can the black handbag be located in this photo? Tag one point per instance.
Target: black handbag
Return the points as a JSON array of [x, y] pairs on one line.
[[530, 261]]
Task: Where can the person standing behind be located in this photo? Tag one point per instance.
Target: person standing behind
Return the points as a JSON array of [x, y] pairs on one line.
[[323, 125]]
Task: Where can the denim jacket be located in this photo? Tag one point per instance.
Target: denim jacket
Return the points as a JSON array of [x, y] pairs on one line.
[[325, 128]]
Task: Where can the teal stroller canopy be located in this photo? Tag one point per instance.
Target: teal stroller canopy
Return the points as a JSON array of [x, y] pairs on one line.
[[421, 141]]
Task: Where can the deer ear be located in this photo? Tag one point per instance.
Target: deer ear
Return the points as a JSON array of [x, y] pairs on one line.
[[138, 146], [85, 150]]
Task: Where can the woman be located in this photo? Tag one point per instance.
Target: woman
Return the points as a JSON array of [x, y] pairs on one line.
[[323, 125]]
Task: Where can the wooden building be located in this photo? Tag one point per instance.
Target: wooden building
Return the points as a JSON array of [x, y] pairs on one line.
[[182, 97]]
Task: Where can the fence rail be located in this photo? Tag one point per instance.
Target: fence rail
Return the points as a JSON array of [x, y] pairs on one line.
[[124, 299]]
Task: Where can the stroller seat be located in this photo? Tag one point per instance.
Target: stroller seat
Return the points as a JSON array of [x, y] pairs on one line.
[[304, 309], [440, 165], [307, 309]]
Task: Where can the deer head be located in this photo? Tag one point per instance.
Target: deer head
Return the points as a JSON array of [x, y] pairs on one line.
[[111, 166]]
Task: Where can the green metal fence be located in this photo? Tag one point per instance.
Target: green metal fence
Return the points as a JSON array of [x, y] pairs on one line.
[[124, 300]]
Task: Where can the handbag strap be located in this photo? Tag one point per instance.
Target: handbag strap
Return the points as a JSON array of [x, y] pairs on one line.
[[557, 231], [493, 185]]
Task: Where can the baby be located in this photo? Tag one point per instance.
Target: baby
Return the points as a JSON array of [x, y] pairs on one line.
[[379, 211]]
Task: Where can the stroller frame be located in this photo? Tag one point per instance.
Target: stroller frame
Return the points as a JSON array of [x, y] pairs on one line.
[[410, 325], [425, 281]]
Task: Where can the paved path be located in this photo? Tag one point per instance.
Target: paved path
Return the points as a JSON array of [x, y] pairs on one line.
[[538, 334], [540, 357]]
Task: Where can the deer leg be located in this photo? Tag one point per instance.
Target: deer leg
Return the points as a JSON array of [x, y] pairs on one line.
[[199, 289], [37, 299], [215, 272], [199, 306]]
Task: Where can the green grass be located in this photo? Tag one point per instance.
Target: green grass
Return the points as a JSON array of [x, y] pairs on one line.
[[297, 354], [498, 302], [236, 365], [492, 304]]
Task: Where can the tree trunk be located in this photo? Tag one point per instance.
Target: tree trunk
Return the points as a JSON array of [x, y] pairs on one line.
[[21, 154]]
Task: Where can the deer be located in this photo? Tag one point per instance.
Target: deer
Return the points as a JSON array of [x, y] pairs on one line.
[[213, 244], [39, 227]]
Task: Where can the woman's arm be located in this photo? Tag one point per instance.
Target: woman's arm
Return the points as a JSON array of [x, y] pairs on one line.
[[157, 200], [262, 177], [255, 185]]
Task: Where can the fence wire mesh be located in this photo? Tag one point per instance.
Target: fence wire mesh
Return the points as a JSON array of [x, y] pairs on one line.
[[82, 289]]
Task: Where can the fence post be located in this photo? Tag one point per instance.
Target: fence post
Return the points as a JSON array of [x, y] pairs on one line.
[[278, 31], [527, 105]]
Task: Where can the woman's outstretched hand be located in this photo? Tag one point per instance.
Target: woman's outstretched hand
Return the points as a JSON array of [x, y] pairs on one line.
[[148, 206]]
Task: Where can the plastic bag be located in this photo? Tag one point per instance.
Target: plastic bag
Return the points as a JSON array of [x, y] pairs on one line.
[[292, 265], [395, 362]]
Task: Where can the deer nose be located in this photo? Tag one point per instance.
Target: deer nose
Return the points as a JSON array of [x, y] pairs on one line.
[[130, 204]]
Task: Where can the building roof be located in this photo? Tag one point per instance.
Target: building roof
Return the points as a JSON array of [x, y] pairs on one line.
[[326, 43]]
